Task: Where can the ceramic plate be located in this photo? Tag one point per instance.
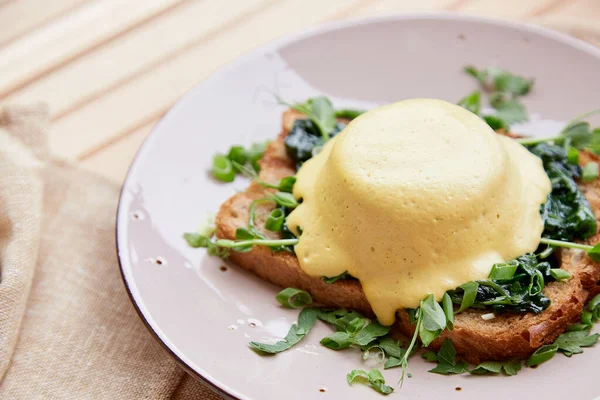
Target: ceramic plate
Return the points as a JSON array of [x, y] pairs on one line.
[[205, 314]]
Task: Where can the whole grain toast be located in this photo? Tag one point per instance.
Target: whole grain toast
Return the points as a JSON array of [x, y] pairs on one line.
[[506, 336]]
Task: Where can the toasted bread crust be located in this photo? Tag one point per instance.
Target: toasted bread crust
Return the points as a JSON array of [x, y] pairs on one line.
[[506, 336]]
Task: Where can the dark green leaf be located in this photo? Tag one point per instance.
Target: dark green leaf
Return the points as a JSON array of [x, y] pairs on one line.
[[293, 298], [579, 134], [306, 320], [474, 72], [448, 311], [391, 347], [392, 362], [430, 356], [349, 113], [572, 342], [447, 353], [577, 327], [370, 333], [378, 382], [356, 325], [356, 374], [374, 378], [542, 355], [511, 111], [446, 369], [244, 234], [517, 86], [428, 336], [594, 253], [196, 240], [495, 367], [433, 315], [594, 303], [471, 102], [333, 279], [338, 341], [331, 316], [494, 122], [470, 292], [322, 113]]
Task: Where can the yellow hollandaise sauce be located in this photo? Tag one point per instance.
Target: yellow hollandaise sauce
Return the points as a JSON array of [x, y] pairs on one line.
[[416, 197]]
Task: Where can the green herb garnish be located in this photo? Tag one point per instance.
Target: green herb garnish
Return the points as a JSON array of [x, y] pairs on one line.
[[374, 378], [472, 102], [447, 364], [293, 298], [495, 367], [225, 168], [499, 80], [222, 169], [348, 113], [306, 320], [275, 220], [284, 199], [333, 279]]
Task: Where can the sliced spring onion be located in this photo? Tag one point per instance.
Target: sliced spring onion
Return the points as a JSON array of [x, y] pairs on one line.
[[222, 169], [293, 298]]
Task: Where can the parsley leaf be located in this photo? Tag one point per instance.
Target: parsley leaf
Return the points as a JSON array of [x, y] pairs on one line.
[[495, 367], [471, 102], [572, 342], [511, 111], [370, 333], [306, 320], [496, 79], [447, 364]]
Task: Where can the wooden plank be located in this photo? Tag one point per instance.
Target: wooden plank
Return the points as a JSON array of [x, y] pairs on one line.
[[19, 17], [154, 92], [121, 60], [384, 7], [113, 162], [514, 9], [66, 38]]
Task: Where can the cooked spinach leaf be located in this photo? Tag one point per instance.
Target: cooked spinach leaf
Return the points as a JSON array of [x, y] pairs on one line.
[[333, 279], [566, 214], [513, 286], [304, 137]]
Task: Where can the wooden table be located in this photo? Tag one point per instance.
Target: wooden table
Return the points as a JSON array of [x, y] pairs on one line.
[[109, 69]]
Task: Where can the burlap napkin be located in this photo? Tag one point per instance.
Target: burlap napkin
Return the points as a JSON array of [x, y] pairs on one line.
[[67, 327]]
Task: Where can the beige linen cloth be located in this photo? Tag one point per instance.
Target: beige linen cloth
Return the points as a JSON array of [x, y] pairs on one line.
[[67, 327]]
